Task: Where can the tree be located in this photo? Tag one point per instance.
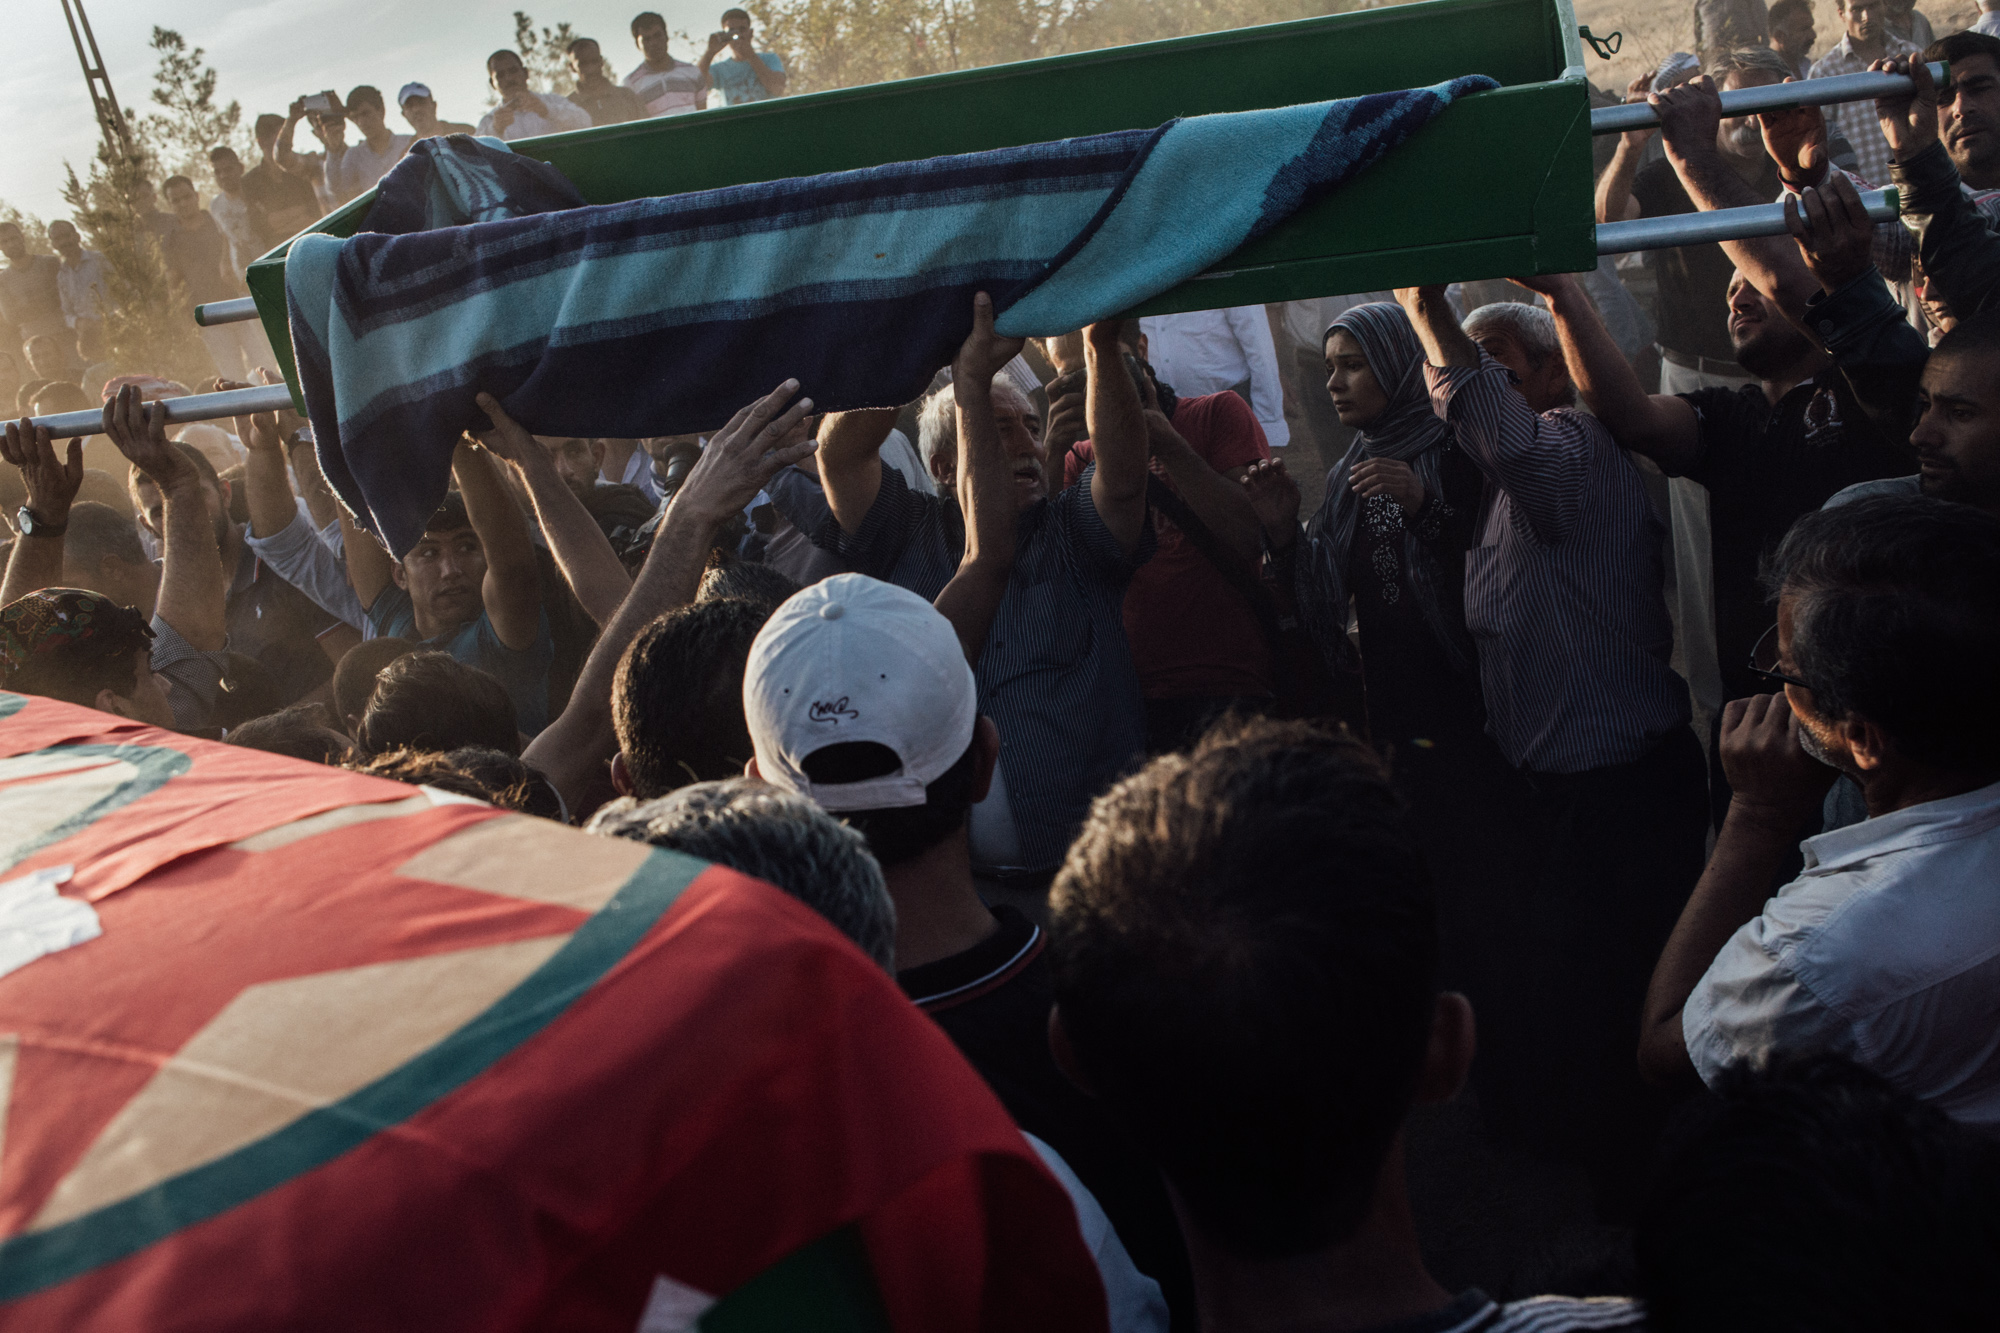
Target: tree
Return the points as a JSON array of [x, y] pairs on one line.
[[546, 54], [844, 43], [150, 326], [179, 136]]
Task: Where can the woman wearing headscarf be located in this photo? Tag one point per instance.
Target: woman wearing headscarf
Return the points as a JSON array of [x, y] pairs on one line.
[[1389, 542], [1390, 538]]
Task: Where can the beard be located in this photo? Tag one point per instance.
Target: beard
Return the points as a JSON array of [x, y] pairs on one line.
[[1746, 139], [1771, 349]]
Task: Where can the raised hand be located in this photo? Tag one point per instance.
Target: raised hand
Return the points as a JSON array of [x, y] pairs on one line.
[[1909, 120], [1832, 230], [51, 482], [1636, 91], [1386, 476], [1796, 140], [984, 352], [1067, 424], [745, 454], [507, 438], [1690, 114], [139, 430], [1275, 497]]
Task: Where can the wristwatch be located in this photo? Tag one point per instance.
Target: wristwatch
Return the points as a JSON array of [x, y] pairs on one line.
[[31, 526]]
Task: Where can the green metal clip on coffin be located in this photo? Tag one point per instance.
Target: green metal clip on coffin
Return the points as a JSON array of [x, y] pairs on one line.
[[1499, 184]]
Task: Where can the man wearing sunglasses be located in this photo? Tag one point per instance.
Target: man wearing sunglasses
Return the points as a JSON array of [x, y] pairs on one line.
[[1887, 949]]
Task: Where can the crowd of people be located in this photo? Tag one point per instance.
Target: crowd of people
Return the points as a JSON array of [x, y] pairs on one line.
[[1624, 764]]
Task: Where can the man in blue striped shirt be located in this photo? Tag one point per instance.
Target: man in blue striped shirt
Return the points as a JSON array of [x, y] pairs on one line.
[[1055, 671], [1563, 598]]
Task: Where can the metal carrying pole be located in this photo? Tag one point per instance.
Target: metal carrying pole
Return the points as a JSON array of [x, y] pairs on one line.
[[194, 407], [1865, 86], [225, 312], [1723, 224]]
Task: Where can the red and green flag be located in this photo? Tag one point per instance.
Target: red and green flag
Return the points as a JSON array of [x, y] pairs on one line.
[[341, 1053]]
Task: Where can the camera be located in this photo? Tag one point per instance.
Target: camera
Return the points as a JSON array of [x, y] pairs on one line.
[[318, 102]]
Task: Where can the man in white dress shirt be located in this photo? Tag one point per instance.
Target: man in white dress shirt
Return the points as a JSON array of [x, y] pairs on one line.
[[523, 114], [1213, 351], [1886, 949]]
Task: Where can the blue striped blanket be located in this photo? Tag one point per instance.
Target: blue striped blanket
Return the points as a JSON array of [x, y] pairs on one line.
[[663, 316]]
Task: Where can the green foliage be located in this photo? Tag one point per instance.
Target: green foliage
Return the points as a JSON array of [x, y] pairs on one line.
[[151, 327], [843, 43], [179, 136], [545, 51]]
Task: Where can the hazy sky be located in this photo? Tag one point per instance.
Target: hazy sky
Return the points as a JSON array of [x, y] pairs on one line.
[[268, 53]]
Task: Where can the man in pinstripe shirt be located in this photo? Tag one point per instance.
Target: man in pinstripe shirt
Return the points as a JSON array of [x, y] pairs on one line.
[[1563, 598]]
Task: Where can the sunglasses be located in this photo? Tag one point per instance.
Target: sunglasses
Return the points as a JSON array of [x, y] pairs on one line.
[[1764, 662]]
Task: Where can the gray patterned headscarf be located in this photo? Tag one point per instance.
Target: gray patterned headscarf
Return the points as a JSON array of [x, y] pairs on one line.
[[1407, 431]]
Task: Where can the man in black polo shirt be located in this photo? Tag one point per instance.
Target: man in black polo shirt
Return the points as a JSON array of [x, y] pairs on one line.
[[857, 694]]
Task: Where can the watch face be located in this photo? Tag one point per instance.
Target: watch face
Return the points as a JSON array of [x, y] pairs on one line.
[[25, 521]]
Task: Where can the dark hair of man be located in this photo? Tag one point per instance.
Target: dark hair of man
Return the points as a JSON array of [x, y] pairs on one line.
[[268, 126], [365, 94], [1961, 45], [1896, 619], [355, 675], [729, 14], [1978, 333], [172, 181], [303, 731], [1783, 9], [77, 671], [1245, 956], [580, 41], [677, 700], [432, 701], [514, 56], [498, 779], [1816, 1196], [220, 151], [907, 832], [745, 579], [97, 531], [645, 20]]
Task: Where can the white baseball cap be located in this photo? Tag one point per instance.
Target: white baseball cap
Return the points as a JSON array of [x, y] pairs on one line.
[[410, 90], [855, 659]]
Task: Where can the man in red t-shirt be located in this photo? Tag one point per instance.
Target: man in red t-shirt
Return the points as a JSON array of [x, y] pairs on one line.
[[1200, 647]]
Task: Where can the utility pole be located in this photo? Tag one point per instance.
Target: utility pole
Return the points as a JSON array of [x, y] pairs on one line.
[[111, 120]]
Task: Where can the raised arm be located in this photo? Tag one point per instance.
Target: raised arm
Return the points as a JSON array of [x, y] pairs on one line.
[[193, 594], [267, 488], [1118, 436], [1959, 253], [51, 483], [850, 462], [739, 460], [512, 590], [1690, 116], [1775, 788], [1614, 188], [584, 554], [369, 565], [1660, 426], [1217, 499], [985, 486]]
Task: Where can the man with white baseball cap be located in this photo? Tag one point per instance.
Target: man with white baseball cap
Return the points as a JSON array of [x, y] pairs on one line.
[[421, 110], [857, 694]]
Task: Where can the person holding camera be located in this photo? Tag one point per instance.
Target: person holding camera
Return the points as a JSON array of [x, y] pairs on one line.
[[522, 113], [353, 169], [749, 75]]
